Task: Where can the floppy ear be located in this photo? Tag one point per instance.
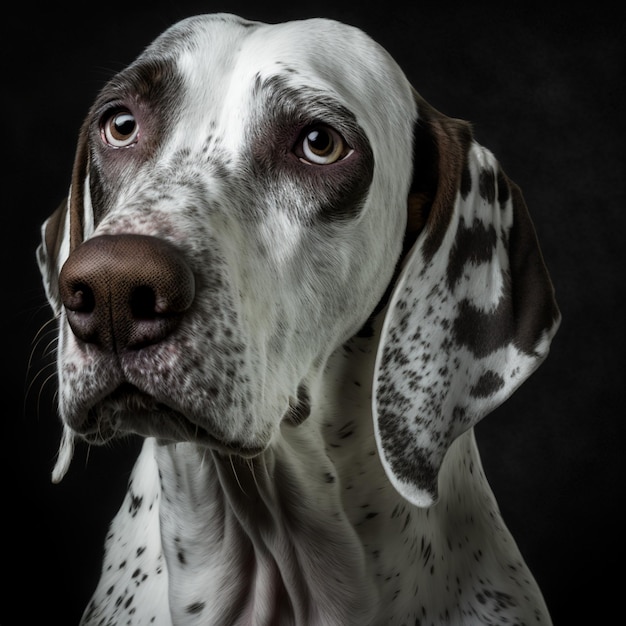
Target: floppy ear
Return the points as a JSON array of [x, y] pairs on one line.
[[60, 235], [472, 313], [49, 252]]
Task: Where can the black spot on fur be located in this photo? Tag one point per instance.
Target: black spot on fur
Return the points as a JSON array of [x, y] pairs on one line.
[[483, 333], [488, 384], [473, 244], [195, 608], [135, 504], [487, 185], [347, 430]]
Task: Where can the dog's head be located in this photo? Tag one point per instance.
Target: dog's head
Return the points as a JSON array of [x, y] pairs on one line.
[[242, 199]]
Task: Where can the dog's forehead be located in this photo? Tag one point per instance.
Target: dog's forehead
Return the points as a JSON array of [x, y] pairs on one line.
[[324, 47], [222, 56]]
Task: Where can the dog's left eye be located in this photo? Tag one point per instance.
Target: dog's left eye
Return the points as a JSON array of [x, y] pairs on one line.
[[321, 145], [120, 129]]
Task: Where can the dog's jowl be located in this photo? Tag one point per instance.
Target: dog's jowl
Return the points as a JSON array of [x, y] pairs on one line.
[[303, 286]]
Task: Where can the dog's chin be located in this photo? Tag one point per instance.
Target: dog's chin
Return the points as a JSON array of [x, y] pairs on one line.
[[129, 411]]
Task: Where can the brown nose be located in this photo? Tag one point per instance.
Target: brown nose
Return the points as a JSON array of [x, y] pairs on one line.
[[125, 292]]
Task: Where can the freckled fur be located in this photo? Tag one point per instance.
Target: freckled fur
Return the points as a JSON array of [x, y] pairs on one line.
[[349, 326]]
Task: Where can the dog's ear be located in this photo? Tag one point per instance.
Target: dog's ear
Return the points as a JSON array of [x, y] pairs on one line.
[[54, 232], [60, 234], [63, 230], [52, 251], [472, 312]]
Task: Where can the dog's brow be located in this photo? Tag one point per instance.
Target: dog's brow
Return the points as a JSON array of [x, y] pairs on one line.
[[151, 80], [277, 97]]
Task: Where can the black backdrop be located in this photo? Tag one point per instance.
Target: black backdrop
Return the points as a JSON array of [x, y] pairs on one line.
[[543, 85]]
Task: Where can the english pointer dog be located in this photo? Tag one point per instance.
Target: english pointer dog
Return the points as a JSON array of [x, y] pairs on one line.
[[303, 286]]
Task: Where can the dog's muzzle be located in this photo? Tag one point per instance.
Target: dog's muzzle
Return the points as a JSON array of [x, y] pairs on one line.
[[125, 292]]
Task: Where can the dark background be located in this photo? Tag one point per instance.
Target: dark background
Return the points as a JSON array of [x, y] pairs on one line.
[[543, 85]]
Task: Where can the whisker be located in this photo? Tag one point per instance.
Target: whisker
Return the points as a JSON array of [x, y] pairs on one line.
[[43, 384], [45, 352], [37, 353], [251, 465], [44, 328], [230, 458], [50, 348], [48, 351], [41, 371]]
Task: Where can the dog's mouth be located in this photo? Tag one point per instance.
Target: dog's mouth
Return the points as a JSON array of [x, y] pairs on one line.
[[128, 410]]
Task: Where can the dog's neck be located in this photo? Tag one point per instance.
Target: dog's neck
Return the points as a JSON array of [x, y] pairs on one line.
[[271, 540], [297, 534], [262, 541]]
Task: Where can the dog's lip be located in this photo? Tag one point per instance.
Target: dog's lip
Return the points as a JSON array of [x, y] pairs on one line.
[[128, 410]]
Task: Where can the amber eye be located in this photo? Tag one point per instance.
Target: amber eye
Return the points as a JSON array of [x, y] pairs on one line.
[[120, 129], [321, 145]]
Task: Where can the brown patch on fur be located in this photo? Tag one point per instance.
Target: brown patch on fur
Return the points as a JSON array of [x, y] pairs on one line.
[[77, 191], [418, 206]]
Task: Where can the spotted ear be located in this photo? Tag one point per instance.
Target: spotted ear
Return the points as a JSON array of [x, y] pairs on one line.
[[472, 313], [64, 229]]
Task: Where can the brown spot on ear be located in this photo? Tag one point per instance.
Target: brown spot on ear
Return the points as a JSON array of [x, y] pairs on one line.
[[54, 231], [453, 139], [440, 158], [79, 172], [417, 206]]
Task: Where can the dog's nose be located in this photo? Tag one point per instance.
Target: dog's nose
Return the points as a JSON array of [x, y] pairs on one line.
[[125, 292]]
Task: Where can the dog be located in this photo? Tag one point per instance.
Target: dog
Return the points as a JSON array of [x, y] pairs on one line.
[[303, 286]]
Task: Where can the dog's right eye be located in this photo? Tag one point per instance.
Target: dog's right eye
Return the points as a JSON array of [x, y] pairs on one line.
[[321, 145], [119, 129]]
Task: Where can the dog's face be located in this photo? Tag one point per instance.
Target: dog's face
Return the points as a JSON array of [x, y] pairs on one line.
[[242, 196], [276, 160]]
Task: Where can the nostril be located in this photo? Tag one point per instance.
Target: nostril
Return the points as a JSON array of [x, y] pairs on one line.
[[80, 298], [80, 304], [143, 303]]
